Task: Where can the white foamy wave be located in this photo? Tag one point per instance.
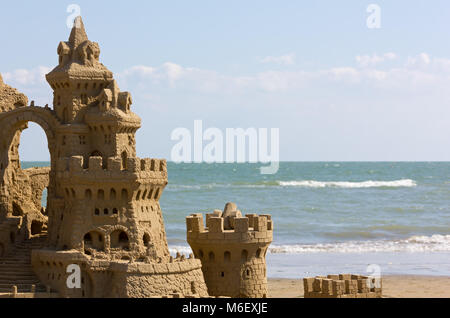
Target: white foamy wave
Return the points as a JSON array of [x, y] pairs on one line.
[[348, 184], [186, 250], [434, 243]]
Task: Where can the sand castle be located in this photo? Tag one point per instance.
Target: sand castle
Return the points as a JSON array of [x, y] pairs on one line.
[[233, 250], [103, 210], [342, 286]]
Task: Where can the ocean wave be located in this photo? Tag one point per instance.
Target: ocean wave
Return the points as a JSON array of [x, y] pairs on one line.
[[434, 243], [414, 244], [304, 183], [348, 184], [174, 249]]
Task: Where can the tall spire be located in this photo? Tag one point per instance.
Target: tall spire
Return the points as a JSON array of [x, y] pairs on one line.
[[78, 34]]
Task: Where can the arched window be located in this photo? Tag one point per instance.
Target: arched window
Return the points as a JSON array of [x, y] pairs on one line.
[[244, 256], [88, 194], [93, 240], [211, 257], [123, 237], [88, 238], [119, 239], [124, 160], [146, 239], [258, 253], [112, 194], [227, 256], [124, 194], [101, 194]]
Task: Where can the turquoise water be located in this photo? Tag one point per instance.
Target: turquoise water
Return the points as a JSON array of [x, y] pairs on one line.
[[326, 210]]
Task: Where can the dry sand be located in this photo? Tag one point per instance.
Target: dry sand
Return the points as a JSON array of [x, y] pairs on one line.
[[393, 286]]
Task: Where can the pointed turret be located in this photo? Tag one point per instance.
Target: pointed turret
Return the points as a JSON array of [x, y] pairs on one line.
[[79, 77], [78, 34]]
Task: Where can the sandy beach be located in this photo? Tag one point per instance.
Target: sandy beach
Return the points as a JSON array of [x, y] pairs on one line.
[[393, 287]]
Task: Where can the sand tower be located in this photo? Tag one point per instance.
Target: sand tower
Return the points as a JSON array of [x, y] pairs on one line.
[[232, 249]]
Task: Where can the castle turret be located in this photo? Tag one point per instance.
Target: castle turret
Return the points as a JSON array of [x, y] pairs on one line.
[[232, 249]]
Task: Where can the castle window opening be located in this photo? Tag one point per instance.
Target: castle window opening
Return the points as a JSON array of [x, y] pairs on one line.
[[258, 253], [227, 256], [115, 211], [112, 195], [211, 257], [146, 239], [124, 194], [124, 160], [119, 239], [93, 240], [123, 237], [244, 256], [105, 212], [88, 194], [97, 211], [88, 238], [101, 194]]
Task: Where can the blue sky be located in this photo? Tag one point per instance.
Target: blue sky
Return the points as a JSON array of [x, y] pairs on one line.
[[336, 89]]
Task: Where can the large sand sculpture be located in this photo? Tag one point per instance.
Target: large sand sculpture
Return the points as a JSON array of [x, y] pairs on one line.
[[103, 210]]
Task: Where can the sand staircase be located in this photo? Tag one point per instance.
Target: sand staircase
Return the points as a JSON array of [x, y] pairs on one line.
[[16, 270]]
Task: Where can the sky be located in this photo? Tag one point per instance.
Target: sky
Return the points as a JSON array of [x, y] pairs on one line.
[[336, 89]]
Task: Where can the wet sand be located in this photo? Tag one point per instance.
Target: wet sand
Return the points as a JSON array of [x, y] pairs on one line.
[[393, 287]]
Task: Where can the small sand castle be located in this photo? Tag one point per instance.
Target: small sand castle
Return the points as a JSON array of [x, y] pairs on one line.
[[342, 286], [103, 210], [233, 250]]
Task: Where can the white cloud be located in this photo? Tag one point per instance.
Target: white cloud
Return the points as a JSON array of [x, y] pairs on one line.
[[288, 59], [26, 77], [414, 73], [372, 60]]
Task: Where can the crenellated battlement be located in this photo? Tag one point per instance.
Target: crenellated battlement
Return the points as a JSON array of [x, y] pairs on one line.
[[112, 167], [230, 226], [342, 286]]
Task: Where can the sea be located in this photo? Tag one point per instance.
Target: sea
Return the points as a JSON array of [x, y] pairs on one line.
[[392, 218]]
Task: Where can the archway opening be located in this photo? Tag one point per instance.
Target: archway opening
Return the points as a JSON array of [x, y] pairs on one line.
[[93, 240], [119, 240], [33, 152]]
